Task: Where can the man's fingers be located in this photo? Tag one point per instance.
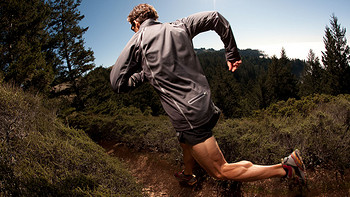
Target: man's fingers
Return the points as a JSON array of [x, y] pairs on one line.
[[237, 63], [233, 66], [229, 64], [230, 67]]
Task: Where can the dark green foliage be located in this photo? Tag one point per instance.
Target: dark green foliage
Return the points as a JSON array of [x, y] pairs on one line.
[[129, 126], [230, 90], [23, 38], [75, 60], [226, 93], [98, 97], [40, 156], [223, 84], [313, 77], [297, 67], [293, 107], [96, 91], [333, 77], [336, 59], [42, 43], [280, 83], [255, 85]]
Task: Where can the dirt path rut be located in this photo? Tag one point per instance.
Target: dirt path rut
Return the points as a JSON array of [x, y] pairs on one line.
[[156, 173]]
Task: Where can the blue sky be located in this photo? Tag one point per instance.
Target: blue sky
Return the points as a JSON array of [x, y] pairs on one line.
[[268, 25]]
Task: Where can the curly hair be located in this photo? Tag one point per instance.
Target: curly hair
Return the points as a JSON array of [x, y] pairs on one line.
[[142, 12]]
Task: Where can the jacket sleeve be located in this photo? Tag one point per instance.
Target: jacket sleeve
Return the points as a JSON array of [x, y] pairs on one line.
[[126, 73], [206, 21]]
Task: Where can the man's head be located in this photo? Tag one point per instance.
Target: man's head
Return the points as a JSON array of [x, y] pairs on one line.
[[139, 14]]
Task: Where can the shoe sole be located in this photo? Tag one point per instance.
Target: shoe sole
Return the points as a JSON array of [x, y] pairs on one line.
[[185, 181], [188, 183], [191, 183]]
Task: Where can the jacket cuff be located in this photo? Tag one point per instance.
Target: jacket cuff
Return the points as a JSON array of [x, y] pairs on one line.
[[233, 56]]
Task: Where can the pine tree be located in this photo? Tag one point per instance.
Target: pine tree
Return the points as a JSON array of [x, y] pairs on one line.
[[22, 37], [226, 92], [280, 83], [336, 58], [313, 77], [259, 96], [68, 35]]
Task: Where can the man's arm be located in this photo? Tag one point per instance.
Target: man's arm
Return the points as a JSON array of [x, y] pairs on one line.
[[126, 75], [206, 21]]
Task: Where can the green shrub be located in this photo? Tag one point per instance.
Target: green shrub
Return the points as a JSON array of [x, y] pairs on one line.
[[40, 156], [128, 126], [293, 107], [319, 126]]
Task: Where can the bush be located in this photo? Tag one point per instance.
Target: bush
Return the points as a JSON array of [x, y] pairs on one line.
[[128, 126], [39, 155], [319, 126]]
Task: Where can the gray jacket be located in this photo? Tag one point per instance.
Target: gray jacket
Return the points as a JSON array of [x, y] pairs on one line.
[[163, 54]]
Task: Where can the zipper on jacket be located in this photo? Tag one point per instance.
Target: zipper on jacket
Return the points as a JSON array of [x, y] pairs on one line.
[[196, 98]]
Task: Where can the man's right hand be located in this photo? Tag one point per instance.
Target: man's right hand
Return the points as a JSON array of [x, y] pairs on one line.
[[232, 66]]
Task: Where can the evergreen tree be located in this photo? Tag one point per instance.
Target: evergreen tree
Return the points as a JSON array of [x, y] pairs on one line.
[[336, 58], [68, 35], [312, 81], [98, 96], [224, 86], [280, 83], [23, 36], [259, 92], [226, 92]]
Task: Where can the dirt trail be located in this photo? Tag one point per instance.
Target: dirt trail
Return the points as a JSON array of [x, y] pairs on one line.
[[156, 173]]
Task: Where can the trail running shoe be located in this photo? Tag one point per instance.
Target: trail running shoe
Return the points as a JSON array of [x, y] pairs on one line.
[[294, 166], [188, 179]]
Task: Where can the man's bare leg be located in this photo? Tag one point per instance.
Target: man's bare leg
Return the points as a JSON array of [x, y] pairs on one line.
[[188, 159], [209, 156]]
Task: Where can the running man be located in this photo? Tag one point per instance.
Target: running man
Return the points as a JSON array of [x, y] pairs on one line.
[[163, 55]]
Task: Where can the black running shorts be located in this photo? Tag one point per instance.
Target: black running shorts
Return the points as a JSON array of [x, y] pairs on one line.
[[200, 134]]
